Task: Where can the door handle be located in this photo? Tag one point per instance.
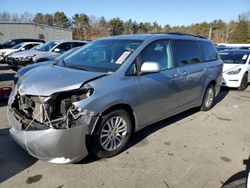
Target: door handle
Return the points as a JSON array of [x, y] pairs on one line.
[[205, 69]]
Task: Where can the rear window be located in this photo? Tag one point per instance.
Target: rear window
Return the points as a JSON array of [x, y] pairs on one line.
[[186, 52], [208, 51]]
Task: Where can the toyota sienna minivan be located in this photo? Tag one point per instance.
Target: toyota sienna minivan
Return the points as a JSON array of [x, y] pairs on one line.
[[95, 98]]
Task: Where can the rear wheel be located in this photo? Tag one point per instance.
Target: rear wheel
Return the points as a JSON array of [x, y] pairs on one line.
[[111, 135], [244, 82], [208, 99]]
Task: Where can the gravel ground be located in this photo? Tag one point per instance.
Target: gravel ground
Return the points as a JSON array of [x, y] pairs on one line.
[[193, 149]]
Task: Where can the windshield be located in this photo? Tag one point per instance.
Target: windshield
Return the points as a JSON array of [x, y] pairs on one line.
[[102, 55], [234, 57], [47, 46], [17, 46]]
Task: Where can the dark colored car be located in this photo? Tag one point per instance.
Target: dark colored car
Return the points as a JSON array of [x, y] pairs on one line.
[[14, 42]]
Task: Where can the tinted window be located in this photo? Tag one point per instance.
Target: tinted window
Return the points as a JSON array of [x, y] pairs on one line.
[[208, 51], [29, 46], [186, 52], [160, 52], [76, 44], [64, 47]]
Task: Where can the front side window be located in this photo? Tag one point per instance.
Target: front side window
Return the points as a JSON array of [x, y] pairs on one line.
[[29, 46], [102, 55], [158, 51], [186, 52], [64, 47], [234, 57], [208, 51]]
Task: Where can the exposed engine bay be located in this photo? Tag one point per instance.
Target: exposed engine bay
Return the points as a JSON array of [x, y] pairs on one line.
[[56, 111]]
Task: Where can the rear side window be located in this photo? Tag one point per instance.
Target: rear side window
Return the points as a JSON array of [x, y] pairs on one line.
[[186, 52], [208, 51]]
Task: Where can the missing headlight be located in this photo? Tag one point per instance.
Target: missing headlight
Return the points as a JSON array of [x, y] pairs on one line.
[[62, 102], [57, 111]]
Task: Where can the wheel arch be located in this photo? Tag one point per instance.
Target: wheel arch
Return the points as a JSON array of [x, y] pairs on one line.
[[213, 82], [127, 108]]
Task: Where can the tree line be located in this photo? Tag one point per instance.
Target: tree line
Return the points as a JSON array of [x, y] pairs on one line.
[[90, 27]]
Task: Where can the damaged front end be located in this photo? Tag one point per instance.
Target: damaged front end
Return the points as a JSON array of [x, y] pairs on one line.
[[52, 128], [17, 63]]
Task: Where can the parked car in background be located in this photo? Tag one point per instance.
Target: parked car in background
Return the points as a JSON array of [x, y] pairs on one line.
[[20, 72], [48, 51], [14, 42], [220, 48], [236, 69], [20, 47], [95, 98]]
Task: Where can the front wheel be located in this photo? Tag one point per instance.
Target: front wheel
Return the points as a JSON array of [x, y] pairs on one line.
[[111, 135], [208, 99], [244, 82]]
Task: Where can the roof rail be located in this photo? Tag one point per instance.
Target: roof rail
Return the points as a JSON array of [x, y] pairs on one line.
[[179, 33]]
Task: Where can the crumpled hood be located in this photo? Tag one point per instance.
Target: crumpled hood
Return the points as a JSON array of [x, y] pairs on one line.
[[228, 67], [46, 80]]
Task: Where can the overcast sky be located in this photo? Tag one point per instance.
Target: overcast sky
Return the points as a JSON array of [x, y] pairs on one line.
[[175, 12]]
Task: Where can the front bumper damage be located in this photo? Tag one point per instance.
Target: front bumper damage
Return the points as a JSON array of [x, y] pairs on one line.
[[48, 141], [17, 63]]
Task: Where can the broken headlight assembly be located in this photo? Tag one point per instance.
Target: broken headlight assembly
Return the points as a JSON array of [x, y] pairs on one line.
[[56, 111]]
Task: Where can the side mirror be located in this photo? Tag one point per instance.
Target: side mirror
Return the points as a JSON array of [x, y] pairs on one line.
[[57, 50], [150, 67], [22, 49]]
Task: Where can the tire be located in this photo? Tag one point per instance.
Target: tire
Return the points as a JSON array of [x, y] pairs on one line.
[[244, 82], [104, 143], [208, 99]]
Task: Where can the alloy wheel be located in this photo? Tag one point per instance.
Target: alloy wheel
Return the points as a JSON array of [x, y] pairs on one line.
[[113, 133]]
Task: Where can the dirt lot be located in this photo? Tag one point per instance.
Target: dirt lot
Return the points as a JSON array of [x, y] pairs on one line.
[[192, 149]]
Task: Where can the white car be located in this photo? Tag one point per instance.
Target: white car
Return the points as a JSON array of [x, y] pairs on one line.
[[19, 47], [236, 68]]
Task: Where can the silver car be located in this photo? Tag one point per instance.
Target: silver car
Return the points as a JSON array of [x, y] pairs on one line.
[[95, 98], [48, 51]]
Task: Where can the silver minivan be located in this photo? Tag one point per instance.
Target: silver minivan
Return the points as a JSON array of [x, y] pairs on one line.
[[95, 98]]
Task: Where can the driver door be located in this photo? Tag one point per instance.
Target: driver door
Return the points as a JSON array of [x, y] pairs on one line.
[[159, 94]]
